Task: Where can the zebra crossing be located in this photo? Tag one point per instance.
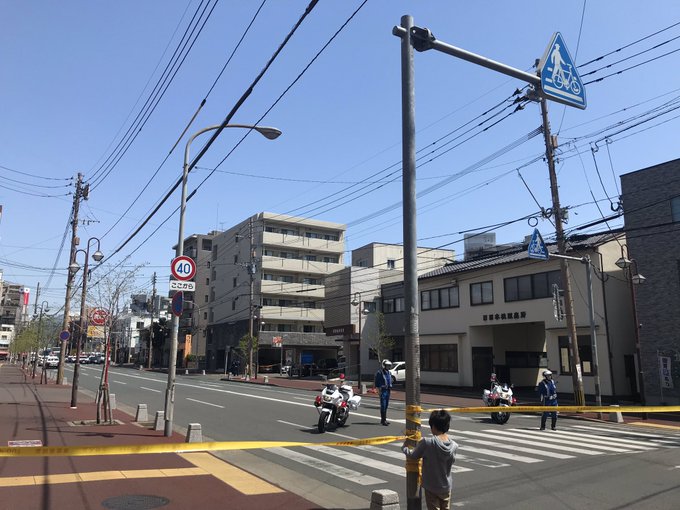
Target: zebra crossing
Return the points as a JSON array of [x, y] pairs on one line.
[[488, 448]]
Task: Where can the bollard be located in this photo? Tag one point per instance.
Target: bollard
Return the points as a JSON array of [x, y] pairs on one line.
[[615, 417], [141, 367], [202, 372], [142, 414], [112, 400], [186, 371], [159, 424], [266, 379], [64, 381], [363, 388], [384, 499], [194, 434]]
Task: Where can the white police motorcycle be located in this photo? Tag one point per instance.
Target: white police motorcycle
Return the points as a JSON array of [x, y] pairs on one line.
[[334, 405], [499, 396]]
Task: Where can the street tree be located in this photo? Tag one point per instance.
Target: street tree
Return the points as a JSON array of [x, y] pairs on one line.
[[378, 339]]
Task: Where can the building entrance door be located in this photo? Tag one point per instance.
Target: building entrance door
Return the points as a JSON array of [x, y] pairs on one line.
[[629, 367], [482, 366]]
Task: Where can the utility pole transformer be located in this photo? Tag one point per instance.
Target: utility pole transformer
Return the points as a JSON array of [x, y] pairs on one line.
[[70, 275]]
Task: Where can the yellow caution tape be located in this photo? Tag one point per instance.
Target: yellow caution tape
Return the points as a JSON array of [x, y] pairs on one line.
[[564, 409], [81, 451]]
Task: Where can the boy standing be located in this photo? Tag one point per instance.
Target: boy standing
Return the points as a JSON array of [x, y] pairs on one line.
[[438, 453]]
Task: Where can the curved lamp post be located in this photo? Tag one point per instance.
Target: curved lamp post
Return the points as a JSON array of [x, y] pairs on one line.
[[356, 301], [634, 278], [82, 332], [269, 133], [43, 309]]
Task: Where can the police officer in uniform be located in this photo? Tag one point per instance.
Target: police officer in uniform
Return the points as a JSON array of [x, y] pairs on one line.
[[548, 390], [383, 384]]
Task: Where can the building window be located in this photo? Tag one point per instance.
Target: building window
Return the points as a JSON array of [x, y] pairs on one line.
[[205, 315], [309, 304], [207, 281], [388, 306], [437, 298], [331, 260], [234, 281], [206, 245], [585, 352], [233, 304], [236, 259], [206, 298], [369, 306], [311, 281], [481, 293], [311, 258], [531, 286], [308, 328], [363, 263], [390, 263], [208, 264], [675, 209], [439, 358], [526, 359], [284, 328], [214, 252], [399, 304], [140, 325]]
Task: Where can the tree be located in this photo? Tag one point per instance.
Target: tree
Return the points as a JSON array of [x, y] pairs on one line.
[[246, 346], [380, 341]]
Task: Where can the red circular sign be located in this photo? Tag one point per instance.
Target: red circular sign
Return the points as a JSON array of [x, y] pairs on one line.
[[183, 268], [98, 317]]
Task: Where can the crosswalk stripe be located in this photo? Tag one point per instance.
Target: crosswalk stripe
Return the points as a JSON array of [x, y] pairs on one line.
[[340, 453], [657, 438], [312, 462], [503, 455], [533, 451], [507, 436], [400, 456], [627, 443], [551, 437]]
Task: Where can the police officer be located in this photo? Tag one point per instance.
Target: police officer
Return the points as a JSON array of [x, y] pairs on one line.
[[548, 391], [383, 384]]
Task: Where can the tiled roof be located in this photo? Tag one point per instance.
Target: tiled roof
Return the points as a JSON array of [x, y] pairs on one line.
[[520, 253]]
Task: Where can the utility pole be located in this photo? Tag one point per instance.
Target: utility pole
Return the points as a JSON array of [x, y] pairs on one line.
[[411, 338], [153, 307], [79, 193], [574, 357], [37, 299], [251, 305]]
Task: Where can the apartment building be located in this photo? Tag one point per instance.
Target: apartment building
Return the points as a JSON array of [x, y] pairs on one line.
[[651, 199], [270, 269], [391, 256], [497, 313], [193, 324]]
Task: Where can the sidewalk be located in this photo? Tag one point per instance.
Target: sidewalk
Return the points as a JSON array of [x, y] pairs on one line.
[[461, 397], [31, 411]]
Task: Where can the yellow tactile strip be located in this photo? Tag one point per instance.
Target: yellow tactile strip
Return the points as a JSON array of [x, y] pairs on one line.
[[99, 476], [240, 480], [656, 425]]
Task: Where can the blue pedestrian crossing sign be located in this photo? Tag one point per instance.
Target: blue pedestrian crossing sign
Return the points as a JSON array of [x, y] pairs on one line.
[[537, 249], [559, 78]]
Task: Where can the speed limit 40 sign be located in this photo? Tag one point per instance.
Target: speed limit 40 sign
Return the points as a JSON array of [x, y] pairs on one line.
[[183, 268]]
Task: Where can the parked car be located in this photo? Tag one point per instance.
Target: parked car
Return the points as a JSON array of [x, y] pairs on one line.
[[84, 359], [51, 361], [398, 371], [71, 358]]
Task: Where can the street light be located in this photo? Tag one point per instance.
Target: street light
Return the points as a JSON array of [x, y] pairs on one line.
[[74, 267], [269, 133], [630, 268]]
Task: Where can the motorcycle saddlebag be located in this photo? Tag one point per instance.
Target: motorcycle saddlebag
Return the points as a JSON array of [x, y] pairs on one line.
[[354, 402]]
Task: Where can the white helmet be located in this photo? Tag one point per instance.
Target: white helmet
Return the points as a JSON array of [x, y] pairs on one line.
[[546, 373], [387, 364]]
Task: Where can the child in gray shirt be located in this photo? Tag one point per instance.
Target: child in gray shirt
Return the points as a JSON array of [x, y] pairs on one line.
[[438, 453]]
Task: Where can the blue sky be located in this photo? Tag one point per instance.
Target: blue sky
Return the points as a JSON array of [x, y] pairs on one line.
[[76, 75]]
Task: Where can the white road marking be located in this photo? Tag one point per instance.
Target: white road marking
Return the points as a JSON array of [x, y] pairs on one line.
[[502, 455], [149, 389], [119, 382], [327, 467], [627, 443], [206, 403], [515, 448], [375, 450], [552, 437], [508, 436], [341, 453]]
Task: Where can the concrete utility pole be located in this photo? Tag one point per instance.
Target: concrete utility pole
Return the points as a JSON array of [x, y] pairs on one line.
[[153, 307], [411, 338], [251, 304], [70, 275], [574, 357]]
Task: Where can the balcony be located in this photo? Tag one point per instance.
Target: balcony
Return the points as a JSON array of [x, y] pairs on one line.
[[291, 313], [300, 266], [299, 290], [293, 242]]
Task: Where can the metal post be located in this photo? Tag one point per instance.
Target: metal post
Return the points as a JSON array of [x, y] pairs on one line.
[[574, 358], [593, 335], [153, 307], [638, 353], [69, 278], [82, 332], [411, 338], [250, 301]]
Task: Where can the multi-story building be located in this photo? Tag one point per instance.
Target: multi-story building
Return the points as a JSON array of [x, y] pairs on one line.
[[193, 324], [269, 270], [651, 200], [497, 312], [391, 256], [131, 330]]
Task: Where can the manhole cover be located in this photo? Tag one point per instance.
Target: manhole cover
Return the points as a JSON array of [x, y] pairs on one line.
[[135, 502]]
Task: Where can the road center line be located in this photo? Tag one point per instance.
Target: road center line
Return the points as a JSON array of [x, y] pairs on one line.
[[149, 389]]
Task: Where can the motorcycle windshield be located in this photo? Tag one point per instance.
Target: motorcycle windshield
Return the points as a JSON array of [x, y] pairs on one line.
[[331, 387]]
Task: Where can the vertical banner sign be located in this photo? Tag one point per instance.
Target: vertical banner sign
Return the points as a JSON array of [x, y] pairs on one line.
[[665, 372], [277, 341]]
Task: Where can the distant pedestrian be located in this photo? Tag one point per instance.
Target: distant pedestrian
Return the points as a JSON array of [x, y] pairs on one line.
[[548, 390], [383, 385], [438, 453]]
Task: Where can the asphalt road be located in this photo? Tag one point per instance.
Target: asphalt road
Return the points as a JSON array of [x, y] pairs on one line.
[[581, 465]]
